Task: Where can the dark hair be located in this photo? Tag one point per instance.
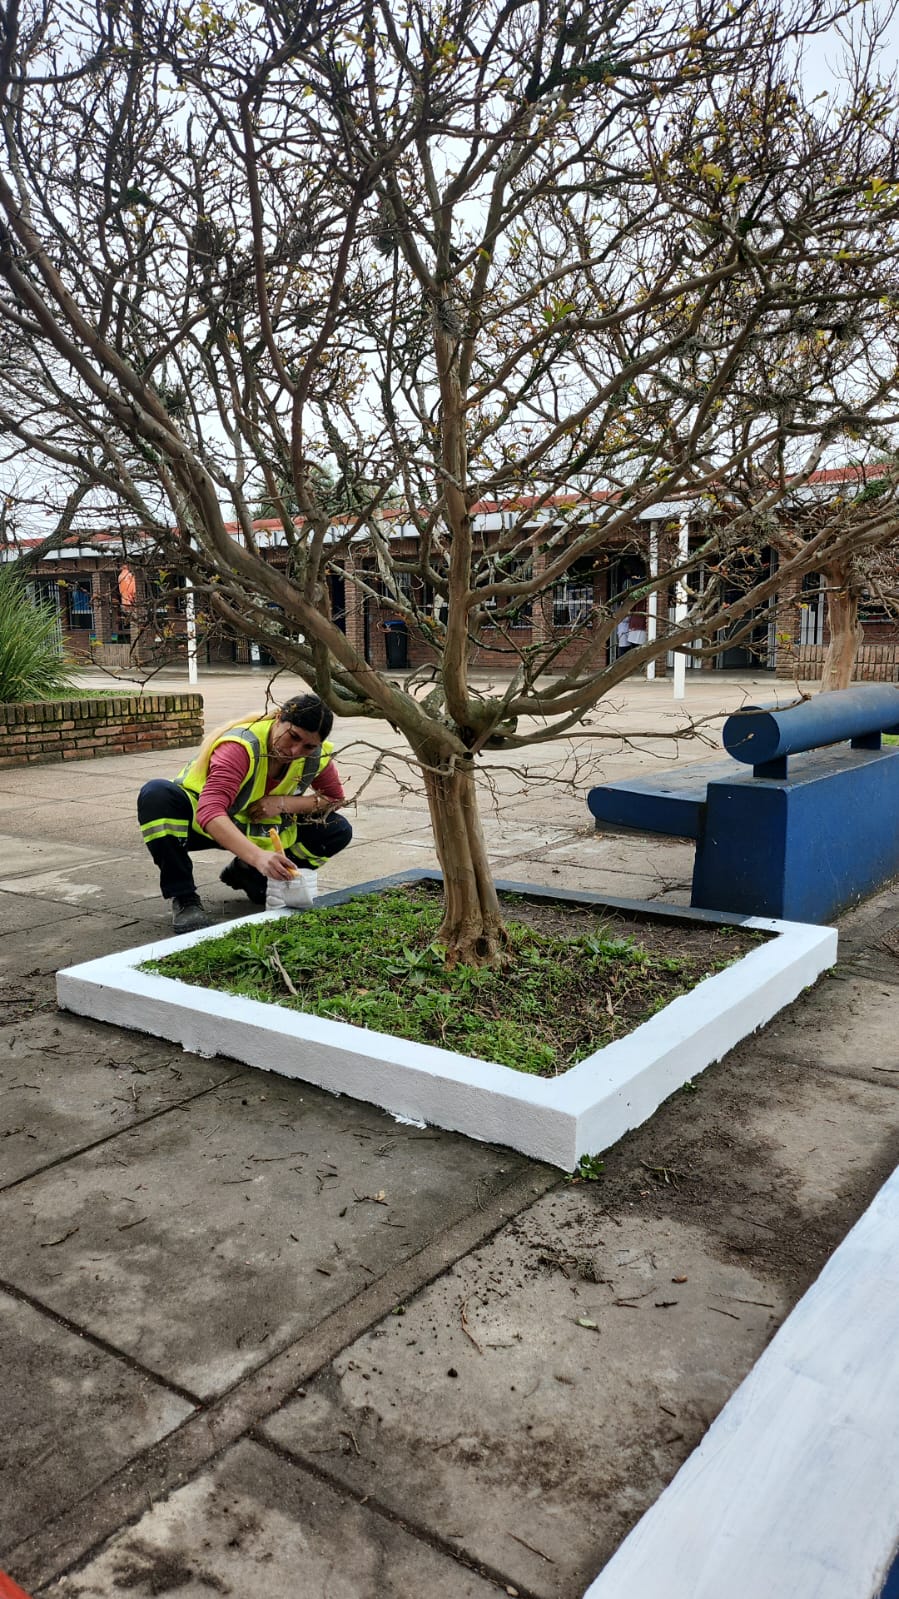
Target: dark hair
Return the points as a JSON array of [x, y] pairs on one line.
[[308, 712]]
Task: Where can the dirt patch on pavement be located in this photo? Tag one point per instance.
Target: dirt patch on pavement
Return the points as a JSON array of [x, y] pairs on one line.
[[721, 1154]]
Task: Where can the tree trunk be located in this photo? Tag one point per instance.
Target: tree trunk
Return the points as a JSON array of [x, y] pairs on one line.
[[472, 928], [844, 628]]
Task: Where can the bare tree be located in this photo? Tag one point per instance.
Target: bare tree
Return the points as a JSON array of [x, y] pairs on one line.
[[582, 264]]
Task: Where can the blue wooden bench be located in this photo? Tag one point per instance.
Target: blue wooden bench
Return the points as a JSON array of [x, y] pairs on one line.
[[801, 823]]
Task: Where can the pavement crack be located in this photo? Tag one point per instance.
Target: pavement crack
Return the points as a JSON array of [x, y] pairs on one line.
[[108, 1138], [84, 1333], [413, 1529], [224, 1419]]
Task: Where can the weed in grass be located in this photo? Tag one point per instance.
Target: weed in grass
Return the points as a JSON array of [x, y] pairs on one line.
[[589, 1169]]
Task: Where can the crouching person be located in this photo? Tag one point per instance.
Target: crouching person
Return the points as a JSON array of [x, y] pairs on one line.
[[261, 772]]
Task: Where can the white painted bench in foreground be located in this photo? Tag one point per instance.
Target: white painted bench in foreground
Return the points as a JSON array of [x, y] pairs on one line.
[[794, 1491]]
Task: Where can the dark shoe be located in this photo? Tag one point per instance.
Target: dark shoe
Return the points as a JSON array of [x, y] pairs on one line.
[[245, 880], [188, 913]]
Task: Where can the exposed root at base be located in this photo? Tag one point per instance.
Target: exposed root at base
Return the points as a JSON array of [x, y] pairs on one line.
[[483, 945]]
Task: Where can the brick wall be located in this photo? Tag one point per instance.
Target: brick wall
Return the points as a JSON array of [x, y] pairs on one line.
[[78, 729], [874, 663]]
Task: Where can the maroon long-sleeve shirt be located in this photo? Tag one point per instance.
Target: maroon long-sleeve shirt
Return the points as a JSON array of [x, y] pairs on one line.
[[227, 772]]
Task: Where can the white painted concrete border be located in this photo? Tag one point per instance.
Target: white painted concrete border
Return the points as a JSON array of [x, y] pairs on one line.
[[792, 1493], [556, 1120]]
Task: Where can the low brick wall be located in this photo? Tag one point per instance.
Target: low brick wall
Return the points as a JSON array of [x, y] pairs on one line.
[[874, 663], [78, 729]]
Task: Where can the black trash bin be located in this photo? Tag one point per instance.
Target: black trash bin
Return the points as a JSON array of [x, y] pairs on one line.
[[396, 642]]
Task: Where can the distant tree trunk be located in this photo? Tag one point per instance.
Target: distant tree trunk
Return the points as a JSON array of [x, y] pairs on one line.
[[843, 625], [472, 928]]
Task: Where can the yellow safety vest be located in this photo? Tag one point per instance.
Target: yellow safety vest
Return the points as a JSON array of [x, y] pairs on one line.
[[295, 779]]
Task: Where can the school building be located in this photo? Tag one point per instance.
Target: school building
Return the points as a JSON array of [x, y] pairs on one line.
[[117, 608]]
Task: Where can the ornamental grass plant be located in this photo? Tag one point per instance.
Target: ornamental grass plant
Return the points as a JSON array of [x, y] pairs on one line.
[[33, 664]]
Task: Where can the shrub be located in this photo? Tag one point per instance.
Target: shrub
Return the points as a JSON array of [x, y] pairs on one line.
[[32, 663]]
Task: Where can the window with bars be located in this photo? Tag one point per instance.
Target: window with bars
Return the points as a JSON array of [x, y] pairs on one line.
[[80, 607], [811, 609], [574, 595]]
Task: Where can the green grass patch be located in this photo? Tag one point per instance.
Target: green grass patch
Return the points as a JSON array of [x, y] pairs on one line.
[[77, 693], [373, 962], [63, 695]]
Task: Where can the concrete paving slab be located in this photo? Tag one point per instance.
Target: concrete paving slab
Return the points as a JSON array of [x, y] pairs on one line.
[[602, 850], [11, 809], [82, 779], [375, 827], [91, 828], [362, 862], [40, 786], [775, 1159], [108, 882], [20, 854], [880, 963], [621, 882], [504, 838], [58, 942], [412, 833], [28, 964], [61, 1545], [564, 1316], [664, 860], [19, 912], [257, 1525], [872, 918], [66, 1083], [124, 881], [282, 1201], [825, 1133], [845, 1023], [869, 938], [72, 1413], [117, 804]]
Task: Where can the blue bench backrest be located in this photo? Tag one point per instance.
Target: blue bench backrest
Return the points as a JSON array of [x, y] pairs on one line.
[[764, 737]]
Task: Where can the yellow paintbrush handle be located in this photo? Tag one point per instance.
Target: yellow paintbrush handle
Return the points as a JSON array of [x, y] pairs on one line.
[[275, 837]]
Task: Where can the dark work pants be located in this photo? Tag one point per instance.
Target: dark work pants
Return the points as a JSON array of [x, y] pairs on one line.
[[166, 818]]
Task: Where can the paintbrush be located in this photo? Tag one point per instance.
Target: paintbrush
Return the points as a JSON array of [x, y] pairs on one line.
[[275, 837]]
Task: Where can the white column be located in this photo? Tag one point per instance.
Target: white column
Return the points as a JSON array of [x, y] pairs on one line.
[[652, 604], [680, 611], [190, 612]]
